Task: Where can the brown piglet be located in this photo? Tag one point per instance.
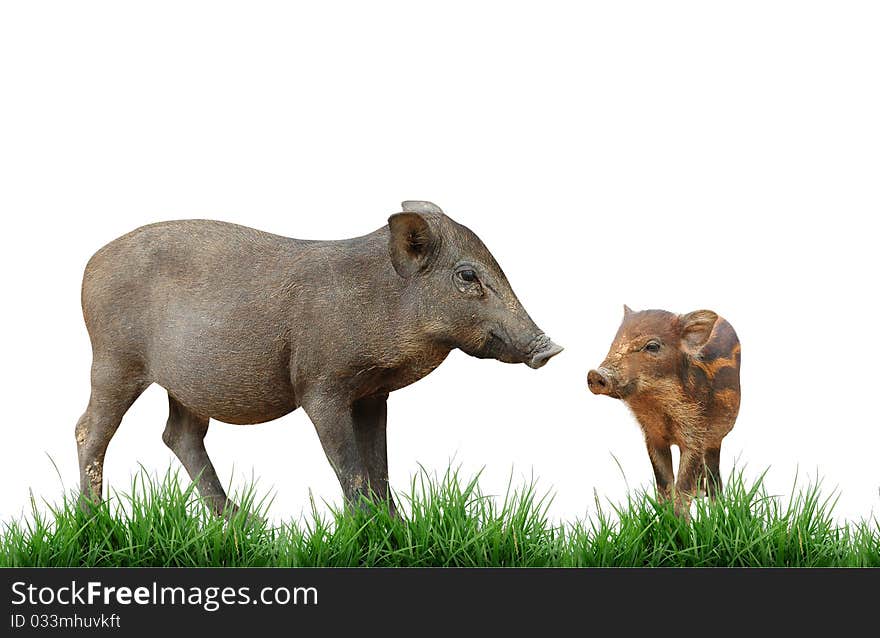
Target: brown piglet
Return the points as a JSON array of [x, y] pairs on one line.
[[679, 374]]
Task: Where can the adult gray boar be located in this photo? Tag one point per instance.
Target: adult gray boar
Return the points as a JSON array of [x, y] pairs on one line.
[[244, 326]]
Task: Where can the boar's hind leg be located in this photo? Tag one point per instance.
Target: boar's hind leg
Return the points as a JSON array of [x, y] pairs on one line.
[[712, 461], [185, 435], [114, 389], [370, 418], [334, 421]]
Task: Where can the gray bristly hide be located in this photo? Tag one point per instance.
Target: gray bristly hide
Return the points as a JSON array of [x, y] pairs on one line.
[[244, 326]]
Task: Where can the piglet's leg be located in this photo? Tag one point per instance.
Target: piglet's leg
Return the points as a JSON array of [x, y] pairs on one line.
[[690, 468], [712, 461], [661, 460]]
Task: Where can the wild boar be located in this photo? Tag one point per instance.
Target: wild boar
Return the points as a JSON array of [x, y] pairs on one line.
[[243, 326], [679, 374]]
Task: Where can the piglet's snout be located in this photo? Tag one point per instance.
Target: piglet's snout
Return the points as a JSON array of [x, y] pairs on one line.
[[599, 381]]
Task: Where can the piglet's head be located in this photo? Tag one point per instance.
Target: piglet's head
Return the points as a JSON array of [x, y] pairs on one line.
[[650, 348]]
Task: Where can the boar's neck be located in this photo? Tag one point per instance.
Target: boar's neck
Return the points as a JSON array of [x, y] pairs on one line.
[[353, 318]]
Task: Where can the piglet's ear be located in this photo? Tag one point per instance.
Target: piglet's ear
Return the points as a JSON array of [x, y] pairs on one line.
[[412, 244], [696, 327]]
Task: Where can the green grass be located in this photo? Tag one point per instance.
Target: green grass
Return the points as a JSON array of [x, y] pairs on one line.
[[448, 522]]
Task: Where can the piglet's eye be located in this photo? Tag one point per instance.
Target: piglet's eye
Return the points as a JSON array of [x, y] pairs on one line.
[[468, 275], [652, 346]]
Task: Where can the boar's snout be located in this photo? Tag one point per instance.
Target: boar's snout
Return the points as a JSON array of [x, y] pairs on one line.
[[543, 350], [601, 382]]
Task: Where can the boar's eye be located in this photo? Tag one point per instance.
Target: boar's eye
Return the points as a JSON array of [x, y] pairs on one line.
[[466, 280], [652, 346]]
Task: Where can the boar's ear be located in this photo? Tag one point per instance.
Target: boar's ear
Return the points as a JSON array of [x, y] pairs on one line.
[[416, 206], [696, 327], [413, 243], [627, 310]]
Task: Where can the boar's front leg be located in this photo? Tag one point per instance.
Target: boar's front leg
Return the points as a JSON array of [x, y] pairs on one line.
[[370, 419], [661, 460], [333, 418]]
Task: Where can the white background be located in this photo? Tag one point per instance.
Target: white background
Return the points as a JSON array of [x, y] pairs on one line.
[[671, 155]]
